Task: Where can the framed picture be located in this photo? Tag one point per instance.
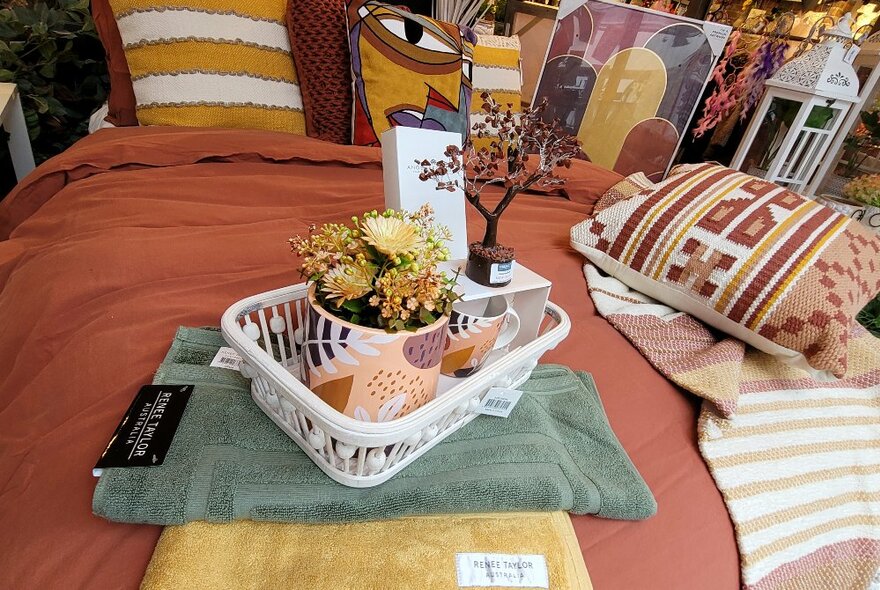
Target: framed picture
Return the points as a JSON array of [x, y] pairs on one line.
[[627, 80]]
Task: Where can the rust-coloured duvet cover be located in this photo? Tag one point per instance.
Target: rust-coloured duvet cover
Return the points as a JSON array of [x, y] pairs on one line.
[[106, 249]]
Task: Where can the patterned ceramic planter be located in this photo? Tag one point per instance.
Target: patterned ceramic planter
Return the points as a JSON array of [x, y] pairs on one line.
[[367, 373]]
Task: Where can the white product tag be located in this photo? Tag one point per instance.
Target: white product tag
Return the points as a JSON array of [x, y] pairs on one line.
[[226, 358], [716, 35], [501, 569], [850, 56], [500, 272], [499, 402]]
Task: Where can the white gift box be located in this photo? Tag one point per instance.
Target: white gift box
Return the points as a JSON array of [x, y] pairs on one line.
[[401, 147]]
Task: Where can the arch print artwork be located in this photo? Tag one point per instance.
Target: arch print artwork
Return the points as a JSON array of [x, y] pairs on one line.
[[626, 80]]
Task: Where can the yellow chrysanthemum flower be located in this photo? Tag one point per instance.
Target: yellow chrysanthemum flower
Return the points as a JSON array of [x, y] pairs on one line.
[[348, 281], [390, 235]]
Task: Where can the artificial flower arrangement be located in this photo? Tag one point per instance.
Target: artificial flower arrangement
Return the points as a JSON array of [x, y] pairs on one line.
[[525, 151], [864, 189], [377, 312], [380, 271]]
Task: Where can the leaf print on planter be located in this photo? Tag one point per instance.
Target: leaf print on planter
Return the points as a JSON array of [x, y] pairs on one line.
[[461, 326], [328, 341], [361, 414], [425, 350], [389, 410]]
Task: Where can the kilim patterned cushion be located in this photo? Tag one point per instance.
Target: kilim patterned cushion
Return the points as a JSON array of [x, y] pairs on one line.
[[497, 71], [772, 268], [623, 190], [408, 71], [211, 63], [319, 41]]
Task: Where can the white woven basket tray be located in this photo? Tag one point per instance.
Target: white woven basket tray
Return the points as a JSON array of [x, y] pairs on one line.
[[262, 329]]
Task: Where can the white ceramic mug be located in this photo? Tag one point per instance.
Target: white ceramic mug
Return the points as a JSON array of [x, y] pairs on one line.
[[475, 329]]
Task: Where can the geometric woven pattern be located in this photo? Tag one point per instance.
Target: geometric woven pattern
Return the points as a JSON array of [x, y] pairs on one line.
[[796, 460], [623, 190], [319, 42], [777, 270]]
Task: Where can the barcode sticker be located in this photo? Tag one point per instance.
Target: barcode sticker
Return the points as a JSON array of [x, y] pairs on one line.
[[226, 358], [499, 402]]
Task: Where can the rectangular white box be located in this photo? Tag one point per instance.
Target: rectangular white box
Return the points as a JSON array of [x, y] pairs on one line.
[[401, 147]]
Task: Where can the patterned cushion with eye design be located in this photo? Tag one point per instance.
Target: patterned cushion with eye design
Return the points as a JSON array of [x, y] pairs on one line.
[[408, 70]]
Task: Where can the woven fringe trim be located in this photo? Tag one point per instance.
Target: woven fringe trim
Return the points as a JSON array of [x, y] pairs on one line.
[[164, 41], [496, 67], [203, 103], [201, 10], [242, 74], [477, 91], [499, 42]]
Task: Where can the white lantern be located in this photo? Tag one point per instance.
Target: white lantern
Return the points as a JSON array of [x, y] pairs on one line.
[[826, 181], [803, 107]]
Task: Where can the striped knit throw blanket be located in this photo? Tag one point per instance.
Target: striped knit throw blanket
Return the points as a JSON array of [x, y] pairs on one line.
[[797, 461]]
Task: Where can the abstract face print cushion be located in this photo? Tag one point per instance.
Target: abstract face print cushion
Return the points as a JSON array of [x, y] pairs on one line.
[[408, 71], [767, 266]]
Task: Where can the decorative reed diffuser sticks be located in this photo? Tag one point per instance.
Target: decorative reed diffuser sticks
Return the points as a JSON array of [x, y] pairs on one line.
[[462, 12]]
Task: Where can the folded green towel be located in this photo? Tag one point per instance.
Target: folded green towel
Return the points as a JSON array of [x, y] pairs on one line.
[[229, 461]]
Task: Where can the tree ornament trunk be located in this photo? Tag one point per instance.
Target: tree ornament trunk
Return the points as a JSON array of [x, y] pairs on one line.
[[489, 263], [490, 238]]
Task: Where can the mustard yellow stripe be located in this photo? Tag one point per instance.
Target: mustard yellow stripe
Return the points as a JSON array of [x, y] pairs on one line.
[[792, 451], [496, 56], [796, 271], [799, 511], [259, 9], [184, 56], [808, 403], [794, 481], [659, 208], [737, 182], [796, 215], [242, 117], [751, 558], [802, 424]]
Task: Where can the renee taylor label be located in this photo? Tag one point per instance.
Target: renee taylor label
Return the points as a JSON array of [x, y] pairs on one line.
[[500, 272], [501, 569]]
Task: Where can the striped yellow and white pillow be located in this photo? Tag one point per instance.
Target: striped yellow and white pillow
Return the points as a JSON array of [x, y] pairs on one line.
[[497, 71], [211, 63]]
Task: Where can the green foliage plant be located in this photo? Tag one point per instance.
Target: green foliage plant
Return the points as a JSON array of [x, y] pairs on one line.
[[51, 50]]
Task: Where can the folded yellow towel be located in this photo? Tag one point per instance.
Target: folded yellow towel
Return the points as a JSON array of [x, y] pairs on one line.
[[409, 553]]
